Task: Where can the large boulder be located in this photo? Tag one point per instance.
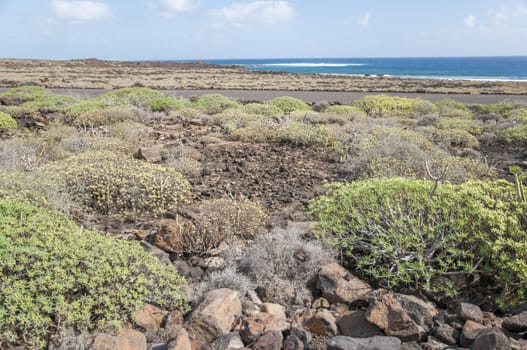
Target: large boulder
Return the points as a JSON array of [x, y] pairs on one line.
[[320, 322], [128, 339], [466, 312], [447, 334], [254, 325], [150, 154], [354, 324], [373, 343], [338, 285], [470, 332], [387, 313], [269, 341], [150, 318], [491, 339], [214, 316], [181, 341], [516, 323], [420, 311]]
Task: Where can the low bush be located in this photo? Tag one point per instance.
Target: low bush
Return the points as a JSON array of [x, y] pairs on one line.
[[57, 276], [305, 135], [35, 98], [222, 219], [7, 123], [519, 116], [398, 234], [458, 138], [448, 108], [265, 109], [516, 135], [289, 104], [474, 127], [283, 263], [142, 98], [350, 112], [111, 183], [387, 106], [501, 109], [215, 103], [105, 116]]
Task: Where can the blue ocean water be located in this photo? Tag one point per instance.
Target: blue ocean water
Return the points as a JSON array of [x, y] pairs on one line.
[[473, 68]]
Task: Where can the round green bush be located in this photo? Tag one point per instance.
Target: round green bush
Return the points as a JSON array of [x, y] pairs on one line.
[[516, 135], [289, 104], [58, 276], [265, 109], [7, 123], [112, 183], [399, 234], [215, 103], [105, 116], [392, 106]]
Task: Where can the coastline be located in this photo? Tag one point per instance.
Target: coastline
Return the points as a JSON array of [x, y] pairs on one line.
[[200, 76]]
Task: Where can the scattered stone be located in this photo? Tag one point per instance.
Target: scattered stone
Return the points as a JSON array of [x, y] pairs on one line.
[[181, 341], [516, 323], [421, 312], [150, 318], [320, 322], [302, 334], [158, 347], [411, 346], [255, 325], [222, 248], [269, 341], [386, 312], [229, 341], [518, 344], [254, 297], [434, 344], [338, 285], [150, 154], [471, 312], [373, 343], [250, 308], [213, 263], [491, 339], [128, 339], [293, 343], [66, 339], [169, 233], [163, 256], [187, 270], [214, 316], [320, 303], [447, 334], [354, 324], [277, 310], [470, 332]]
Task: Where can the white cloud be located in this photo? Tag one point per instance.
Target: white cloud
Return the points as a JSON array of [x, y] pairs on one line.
[[170, 8], [498, 18], [520, 10], [80, 11], [364, 20], [241, 14], [470, 21]]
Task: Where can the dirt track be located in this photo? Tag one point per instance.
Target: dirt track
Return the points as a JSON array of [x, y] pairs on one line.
[[309, 96]]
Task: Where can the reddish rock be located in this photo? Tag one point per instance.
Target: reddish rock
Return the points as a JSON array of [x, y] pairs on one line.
[[470, 332], [169, 234], [253, 326], [150, 318], [277, 310], [354, 324], [320, 303], [269, 341], [420, 311], [386, 312], [128, 339], [447, 334], [181, 341], [150, 154], [320, 322], [338, 285], [214, 316]]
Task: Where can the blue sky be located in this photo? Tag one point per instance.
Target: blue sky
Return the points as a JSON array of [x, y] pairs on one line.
[[200, 29]]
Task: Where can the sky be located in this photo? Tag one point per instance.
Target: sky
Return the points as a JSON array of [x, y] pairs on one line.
[[223, 29]]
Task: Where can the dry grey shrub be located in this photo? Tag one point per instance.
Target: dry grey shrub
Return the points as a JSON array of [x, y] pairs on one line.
[[227, 278], [283, 263], [186, 160], [23, 154]]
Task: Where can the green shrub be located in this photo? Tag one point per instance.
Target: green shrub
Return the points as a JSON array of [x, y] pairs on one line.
[[387, 106], [395, 232], [474, 127], [350, 112], [449, 108], [305, 134], [7, 123], [516, 135], [458, 138], [215, 103], [112, 183], [519, 115], [35, 98], [56, 276], [502, 109], [143, 98], [289, 104], [265, 109], [105, 116]]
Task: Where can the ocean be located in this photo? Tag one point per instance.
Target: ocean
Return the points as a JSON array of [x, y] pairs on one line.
[[471, 68]]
